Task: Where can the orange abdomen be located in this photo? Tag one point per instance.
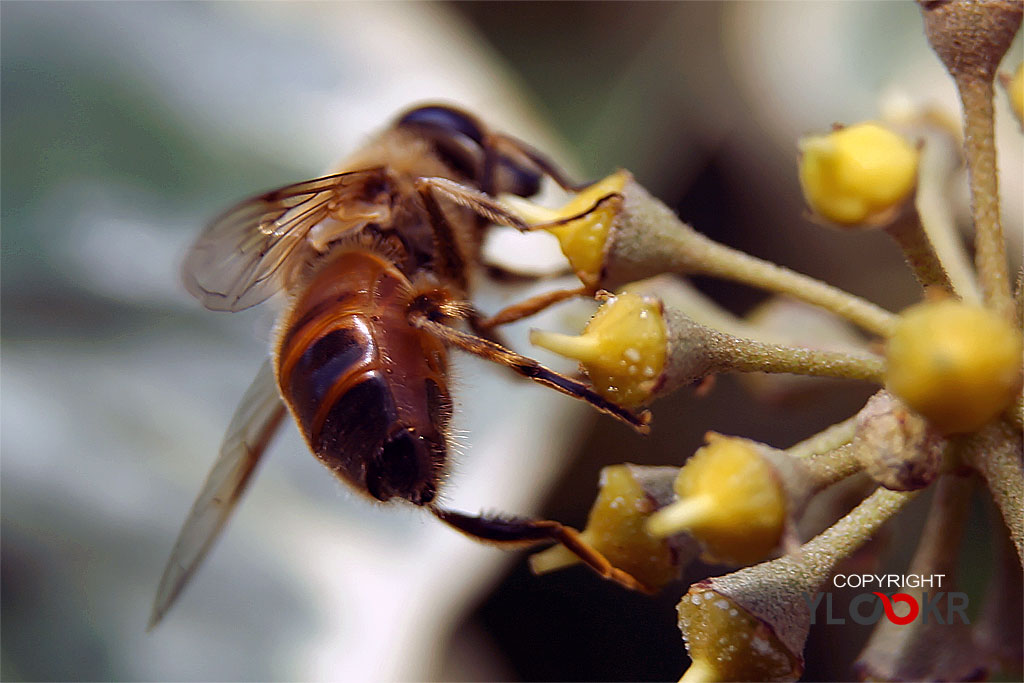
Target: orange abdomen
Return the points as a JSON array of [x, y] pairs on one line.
[[368, 390]]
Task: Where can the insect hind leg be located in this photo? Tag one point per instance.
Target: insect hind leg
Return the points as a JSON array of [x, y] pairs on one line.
[[512, 533]]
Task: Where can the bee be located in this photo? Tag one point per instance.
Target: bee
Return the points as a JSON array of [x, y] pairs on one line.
[[375, 262]]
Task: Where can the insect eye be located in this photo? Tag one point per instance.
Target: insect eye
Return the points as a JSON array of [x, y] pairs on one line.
[[516, 178], [445, 118], [456, 137]]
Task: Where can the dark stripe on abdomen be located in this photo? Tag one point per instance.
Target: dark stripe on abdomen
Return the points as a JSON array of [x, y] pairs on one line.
[[317, 311], [322, 365], [355, 427]]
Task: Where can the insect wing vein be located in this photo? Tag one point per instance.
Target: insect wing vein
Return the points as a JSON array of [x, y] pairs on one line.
[[232, 265]]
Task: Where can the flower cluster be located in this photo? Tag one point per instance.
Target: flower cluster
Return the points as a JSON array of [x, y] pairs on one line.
[[948, 372]]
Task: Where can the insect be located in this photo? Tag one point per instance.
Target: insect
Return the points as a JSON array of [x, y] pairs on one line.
[[375, 262]]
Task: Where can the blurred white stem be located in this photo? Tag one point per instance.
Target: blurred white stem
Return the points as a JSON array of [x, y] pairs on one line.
[[936, 214]]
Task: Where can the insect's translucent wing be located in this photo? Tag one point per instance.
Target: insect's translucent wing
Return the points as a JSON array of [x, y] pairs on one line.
[[252, 427], [232, 265]]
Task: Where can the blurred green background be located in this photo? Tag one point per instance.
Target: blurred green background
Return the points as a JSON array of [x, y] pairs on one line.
[[126, 125]]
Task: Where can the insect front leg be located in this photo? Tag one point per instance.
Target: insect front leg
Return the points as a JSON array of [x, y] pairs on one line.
[[527, 367], [478, 202], [502, 144], [556, 222], [526, 532], [453, 265]]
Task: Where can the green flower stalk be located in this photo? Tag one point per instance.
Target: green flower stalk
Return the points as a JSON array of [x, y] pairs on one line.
[[927, 650], [752, 624], [643, 238], [637, 349], [971, 37]]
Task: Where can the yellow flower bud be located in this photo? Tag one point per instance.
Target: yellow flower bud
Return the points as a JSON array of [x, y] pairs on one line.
[[615, 528], [583, 238], [730, 499], [857, 175], [956, 364], [623, 348]]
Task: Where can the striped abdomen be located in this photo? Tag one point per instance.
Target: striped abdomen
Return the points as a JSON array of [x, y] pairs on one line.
[[367, 389]]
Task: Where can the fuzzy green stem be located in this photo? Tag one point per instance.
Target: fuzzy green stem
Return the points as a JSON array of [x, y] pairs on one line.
[[906, 652], [746, 355], [648, 239], [940, 540], [996, 452], [819, 555], [828, 468], [907, 231], [772, 588], [775, 592], [980, 149], [826, 440], [940, 158], [722, 261]]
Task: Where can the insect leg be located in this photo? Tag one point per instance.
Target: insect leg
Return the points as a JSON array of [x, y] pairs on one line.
[[528, 367], [526, 532], [538, 159], [486, 206], [478, 323], [453, 265], [480, 203], [531, 306]]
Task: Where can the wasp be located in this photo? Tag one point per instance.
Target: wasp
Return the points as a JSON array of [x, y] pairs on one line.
[[375, 263]]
